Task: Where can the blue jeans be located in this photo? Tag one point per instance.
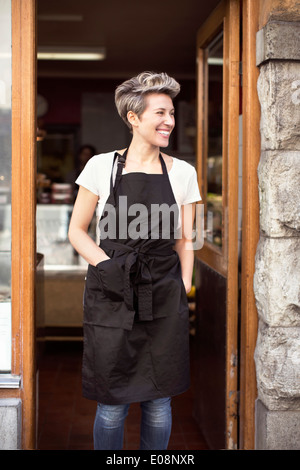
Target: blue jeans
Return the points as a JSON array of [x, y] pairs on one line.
[[156, 423]]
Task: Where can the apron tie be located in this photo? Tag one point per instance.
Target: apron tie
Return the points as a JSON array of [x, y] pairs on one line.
[[137, 277], [142, 282]]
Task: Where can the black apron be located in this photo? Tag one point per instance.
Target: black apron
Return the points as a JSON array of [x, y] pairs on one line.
[[136, 318]]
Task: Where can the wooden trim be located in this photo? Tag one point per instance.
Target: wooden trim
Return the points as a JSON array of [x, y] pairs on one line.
[[15, 197], [23, 209], [210, 254], [250, 223], [231, 163], [211, 25], [200, 119]]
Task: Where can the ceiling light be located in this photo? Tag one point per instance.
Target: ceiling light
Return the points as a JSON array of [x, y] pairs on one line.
[[71, 53], [215, 61]]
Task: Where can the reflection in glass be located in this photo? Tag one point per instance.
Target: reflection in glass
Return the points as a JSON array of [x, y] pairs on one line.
[[5, 149], [214, 140]]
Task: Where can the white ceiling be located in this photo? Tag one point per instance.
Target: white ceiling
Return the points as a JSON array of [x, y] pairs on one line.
[[138, 35]]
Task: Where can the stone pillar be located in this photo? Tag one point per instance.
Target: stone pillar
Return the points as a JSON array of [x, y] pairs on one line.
[[277, 269], [10, 424]]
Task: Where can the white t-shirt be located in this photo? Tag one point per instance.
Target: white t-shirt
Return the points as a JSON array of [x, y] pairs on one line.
[[96, 177]]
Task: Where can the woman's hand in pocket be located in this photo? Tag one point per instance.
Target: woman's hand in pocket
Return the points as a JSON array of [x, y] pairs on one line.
[[112, 278], [103, 258]]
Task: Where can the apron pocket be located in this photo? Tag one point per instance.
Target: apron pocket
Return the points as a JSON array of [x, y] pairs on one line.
[[111, 315], [112, 279]]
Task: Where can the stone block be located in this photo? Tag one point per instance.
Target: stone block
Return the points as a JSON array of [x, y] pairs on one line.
[[270, 39], [10, 424], [276, 281], [276, 430], [279, 193], [277, 359], [278, 89]]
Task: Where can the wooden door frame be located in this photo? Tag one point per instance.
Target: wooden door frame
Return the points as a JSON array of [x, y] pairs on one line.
[[23, 203], [250, 218], [23, 217], [250, 223], [225, 261]]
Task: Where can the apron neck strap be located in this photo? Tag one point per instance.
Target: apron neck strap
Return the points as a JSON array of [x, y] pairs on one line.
[[120, 166], [163, 165], [122, 160], [114, 182]]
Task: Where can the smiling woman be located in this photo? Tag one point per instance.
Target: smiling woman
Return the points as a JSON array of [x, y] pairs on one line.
[[136, 317]]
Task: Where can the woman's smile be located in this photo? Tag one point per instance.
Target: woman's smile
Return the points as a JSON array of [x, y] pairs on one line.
[[164, 133]]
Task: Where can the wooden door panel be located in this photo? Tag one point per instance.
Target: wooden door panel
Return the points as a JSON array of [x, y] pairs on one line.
[[217, 262], [210, 354], [23, 210]]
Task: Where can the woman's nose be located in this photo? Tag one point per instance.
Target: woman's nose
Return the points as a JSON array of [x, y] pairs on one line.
[[170, 120]]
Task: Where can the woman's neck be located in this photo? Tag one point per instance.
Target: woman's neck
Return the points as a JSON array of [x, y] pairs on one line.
[[143, 153]]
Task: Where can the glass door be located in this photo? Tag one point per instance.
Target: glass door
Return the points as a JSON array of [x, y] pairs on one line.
[[212, 170], [23, 184], [5, 190], [216, 264]]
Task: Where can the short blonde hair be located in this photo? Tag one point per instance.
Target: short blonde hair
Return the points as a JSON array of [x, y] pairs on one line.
[[131, 94]]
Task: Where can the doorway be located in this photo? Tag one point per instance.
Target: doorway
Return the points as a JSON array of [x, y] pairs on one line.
[[217, 264], [25, 277], [72, 99]]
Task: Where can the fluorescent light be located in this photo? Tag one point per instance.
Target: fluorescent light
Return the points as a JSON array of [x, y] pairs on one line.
[[69, 56], [215, 61], [71, 53]]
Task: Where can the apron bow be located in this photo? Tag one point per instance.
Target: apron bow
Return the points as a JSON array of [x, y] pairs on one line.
[[136, 263], [137, 276]]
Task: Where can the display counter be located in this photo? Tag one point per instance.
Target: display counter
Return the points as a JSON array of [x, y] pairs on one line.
[[64, 273]]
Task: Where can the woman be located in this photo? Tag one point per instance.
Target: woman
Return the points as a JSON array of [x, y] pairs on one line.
[[136, 323]]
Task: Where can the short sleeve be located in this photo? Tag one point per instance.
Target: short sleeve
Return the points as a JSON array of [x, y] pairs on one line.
[[192, 193], [88, 178]]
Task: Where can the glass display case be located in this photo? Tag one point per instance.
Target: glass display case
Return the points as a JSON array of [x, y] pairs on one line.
[[64, 273], [52, 222]]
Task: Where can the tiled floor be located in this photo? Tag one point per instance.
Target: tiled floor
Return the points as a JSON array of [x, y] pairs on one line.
[[66, 418]]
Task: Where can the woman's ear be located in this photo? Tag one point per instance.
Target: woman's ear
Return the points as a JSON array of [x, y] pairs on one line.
[[132, 118]]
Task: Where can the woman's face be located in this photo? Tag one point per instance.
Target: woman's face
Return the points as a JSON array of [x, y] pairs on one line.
[[157, 121]]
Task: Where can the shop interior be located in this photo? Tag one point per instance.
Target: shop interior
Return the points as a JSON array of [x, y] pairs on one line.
[[77, 118]]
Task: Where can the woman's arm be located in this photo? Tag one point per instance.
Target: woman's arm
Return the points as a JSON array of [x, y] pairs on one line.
[[82, 215], [184, 245]]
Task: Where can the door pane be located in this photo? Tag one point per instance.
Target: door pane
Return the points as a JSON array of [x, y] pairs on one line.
[[5, 184], [214, 140]]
